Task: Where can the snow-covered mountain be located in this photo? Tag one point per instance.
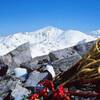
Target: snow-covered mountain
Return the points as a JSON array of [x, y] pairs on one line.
[[44, 40], [95, 33]]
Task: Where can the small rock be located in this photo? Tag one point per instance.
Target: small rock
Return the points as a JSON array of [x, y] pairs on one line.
[[7, 84], [35, 77], [19, 92], [20, 72]]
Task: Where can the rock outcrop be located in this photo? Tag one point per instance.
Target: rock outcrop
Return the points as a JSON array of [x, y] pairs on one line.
[[12, 85]]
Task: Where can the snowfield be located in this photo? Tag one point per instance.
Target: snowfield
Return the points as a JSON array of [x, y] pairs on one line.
[[44, 40]]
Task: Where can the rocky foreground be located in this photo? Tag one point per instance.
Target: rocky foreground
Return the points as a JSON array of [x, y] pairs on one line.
[[20, 73]]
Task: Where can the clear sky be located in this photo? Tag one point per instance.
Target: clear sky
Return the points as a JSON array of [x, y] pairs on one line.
[[29, 15]]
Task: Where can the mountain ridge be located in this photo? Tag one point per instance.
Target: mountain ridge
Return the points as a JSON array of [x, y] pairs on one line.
[[44, 40]]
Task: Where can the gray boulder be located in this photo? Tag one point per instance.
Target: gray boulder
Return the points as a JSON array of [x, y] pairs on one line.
[[64, 64], [35, 63], [83, 48], [34, 78], [19, 93], [18, 56], [6, 84], [62, 54]]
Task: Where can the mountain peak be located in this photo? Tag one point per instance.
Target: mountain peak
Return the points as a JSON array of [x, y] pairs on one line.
[[49, 29]]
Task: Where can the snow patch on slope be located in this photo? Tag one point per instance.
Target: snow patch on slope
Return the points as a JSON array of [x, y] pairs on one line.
[[74, 37]]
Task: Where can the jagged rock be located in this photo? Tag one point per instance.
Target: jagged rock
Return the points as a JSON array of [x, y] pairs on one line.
[[7, 84], [22, 54], [62, 54], [62, 60], [18, 56], [3, 69], [40, 59], [19, 92], [7, 59], [35, 77], [30, 66], [52, 57], [63, 65], [84, 47], [35, 63]]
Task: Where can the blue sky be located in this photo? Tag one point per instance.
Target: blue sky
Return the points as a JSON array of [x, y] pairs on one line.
[[29, 15]]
